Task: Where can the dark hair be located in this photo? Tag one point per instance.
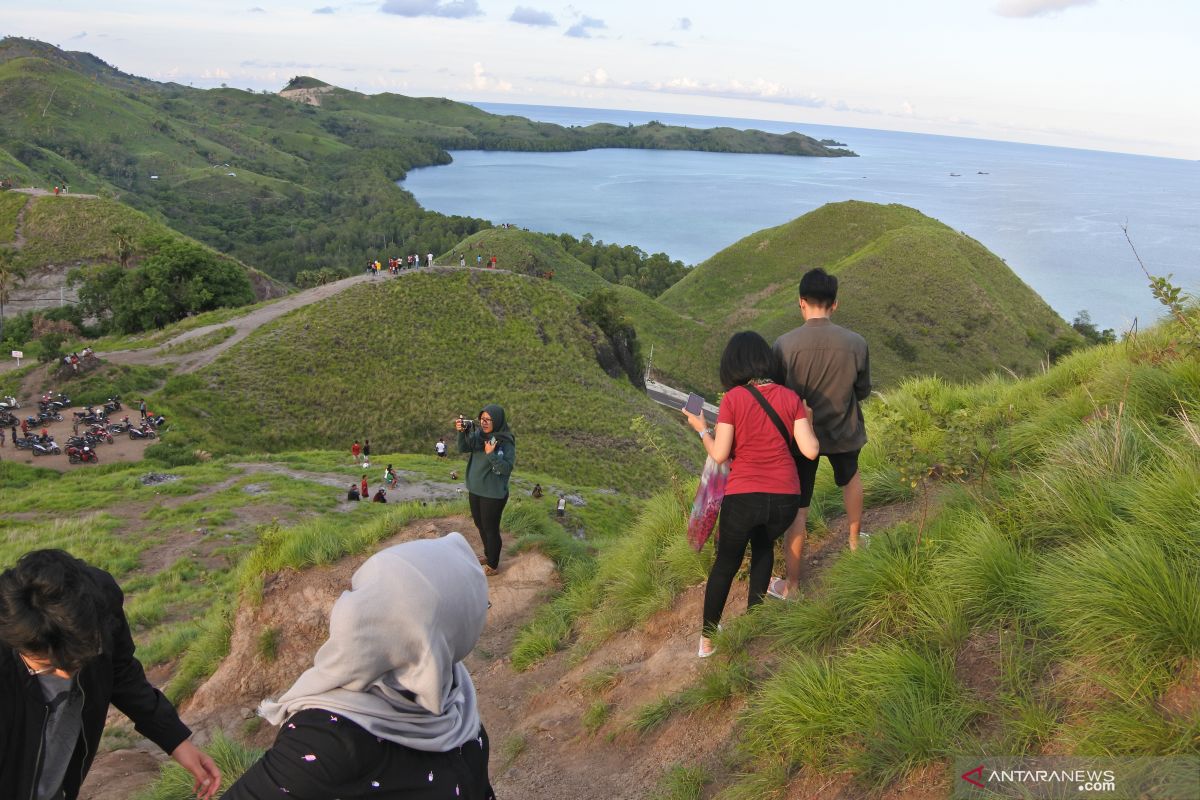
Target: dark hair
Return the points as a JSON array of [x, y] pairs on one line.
[[51, 607], [819, 288], [747, 357]]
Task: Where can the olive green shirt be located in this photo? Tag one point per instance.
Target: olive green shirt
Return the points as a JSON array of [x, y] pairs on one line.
[[829, 367]]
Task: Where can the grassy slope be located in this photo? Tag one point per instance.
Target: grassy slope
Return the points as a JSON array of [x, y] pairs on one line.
[[397, 360], [68, 230], [1050, 605], [11, 204], [927, 298]]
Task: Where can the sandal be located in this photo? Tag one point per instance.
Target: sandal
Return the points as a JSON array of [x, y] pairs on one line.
[[482, 560], [706, 649], [490, 570]]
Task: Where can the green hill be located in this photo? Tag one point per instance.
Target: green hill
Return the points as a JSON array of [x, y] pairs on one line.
[[281, 185], [928, 299], [396, 361], [59, 233]]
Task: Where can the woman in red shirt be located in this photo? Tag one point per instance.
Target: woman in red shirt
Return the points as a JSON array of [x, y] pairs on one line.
[[762, 495]]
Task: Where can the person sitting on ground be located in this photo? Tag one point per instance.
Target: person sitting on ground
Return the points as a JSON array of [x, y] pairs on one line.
[[380, 495], [536, 494], [353, 495], [493, 453], [761, 418], [66, 655], [388, 709]]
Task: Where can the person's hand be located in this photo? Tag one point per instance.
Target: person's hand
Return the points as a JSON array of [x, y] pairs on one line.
[[696, 421], [203, 769], [458, 424], [489, 445]]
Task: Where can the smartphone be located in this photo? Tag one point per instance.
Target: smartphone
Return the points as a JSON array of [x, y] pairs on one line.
[[694, 404]]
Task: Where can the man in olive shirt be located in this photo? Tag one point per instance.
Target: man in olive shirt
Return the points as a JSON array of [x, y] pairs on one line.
[[829, 367]]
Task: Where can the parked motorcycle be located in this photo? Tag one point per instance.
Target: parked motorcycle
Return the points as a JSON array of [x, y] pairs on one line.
[[7, 420], [113, 404], [157, 420], [45, 448], [83, 454], [9, 403], [100, 433], [119, 427], [26, 443], [144, 432]]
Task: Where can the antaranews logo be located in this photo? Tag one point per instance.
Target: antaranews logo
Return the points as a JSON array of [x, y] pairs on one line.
[[1035, 777]]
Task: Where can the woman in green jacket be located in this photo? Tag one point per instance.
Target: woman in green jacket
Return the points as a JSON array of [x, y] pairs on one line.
[[493, 449]]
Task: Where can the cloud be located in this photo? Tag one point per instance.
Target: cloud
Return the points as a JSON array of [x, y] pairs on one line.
[[597, 77], [80, 35], [454, 9], [325, 10], [257, 10], [759, 89], [531, 16], [684, 24], [583, 29], [666, 43], [481, 81], [1037, 8]]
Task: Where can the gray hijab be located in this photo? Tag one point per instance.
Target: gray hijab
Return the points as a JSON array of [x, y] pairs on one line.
[[393, 661]]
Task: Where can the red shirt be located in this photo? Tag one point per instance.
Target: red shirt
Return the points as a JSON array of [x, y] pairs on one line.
[[355, 449], [762, 461]]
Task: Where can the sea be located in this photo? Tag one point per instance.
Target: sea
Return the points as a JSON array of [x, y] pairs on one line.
[[1055, 215]]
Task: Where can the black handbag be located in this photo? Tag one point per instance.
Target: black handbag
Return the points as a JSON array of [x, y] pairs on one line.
[[793, 448]]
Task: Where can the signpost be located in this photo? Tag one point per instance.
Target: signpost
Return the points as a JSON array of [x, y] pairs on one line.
[[18, 355]]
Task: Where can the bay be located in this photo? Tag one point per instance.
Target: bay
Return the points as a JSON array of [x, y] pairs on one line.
[[1054, 214]]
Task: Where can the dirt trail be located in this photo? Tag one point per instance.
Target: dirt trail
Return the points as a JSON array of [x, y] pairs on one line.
[[540, 747]]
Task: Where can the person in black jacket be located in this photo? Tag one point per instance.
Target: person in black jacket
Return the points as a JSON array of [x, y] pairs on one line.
[[66, 654], [388, 710]]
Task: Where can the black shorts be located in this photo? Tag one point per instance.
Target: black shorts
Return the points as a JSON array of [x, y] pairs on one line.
[[845, 467]]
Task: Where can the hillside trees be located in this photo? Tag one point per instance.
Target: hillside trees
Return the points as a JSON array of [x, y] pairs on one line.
[[9, 278], [625, 264], [178, 278]]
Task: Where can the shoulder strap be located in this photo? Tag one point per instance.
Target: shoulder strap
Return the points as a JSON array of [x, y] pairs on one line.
[[793, 448]]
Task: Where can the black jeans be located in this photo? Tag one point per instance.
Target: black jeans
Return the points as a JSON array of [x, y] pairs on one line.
[[486, 512], [757, 519]]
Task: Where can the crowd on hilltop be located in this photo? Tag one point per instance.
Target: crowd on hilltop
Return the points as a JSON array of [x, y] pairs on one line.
[[396, 264]]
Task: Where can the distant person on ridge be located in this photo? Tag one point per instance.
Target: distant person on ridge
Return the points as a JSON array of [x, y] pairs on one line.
[[830, 366], [493, 449]]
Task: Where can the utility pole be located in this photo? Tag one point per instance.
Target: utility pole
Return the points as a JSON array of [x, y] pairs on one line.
[[649, 361]]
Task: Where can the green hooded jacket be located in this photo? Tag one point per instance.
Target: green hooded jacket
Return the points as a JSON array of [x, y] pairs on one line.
[[487, 474]]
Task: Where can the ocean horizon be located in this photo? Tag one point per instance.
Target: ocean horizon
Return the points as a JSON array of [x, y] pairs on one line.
[[1054, 214]]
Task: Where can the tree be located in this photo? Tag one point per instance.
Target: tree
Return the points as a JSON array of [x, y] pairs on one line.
[[1085, 327], [122, 244]]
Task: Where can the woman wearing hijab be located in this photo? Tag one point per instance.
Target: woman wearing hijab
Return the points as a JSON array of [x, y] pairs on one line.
[[764, 420], [387, 710], [493, 450]]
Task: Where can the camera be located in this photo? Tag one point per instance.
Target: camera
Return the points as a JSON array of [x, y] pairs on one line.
[[467, 423]]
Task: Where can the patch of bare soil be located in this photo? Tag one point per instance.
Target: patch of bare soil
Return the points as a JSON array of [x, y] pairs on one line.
[[1182, 700], [121, 774], [122, 450]]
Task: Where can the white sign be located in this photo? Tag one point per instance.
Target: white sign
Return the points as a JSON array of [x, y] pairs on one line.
[[18, 354]]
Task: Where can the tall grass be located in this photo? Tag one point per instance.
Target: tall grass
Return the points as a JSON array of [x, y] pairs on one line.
[[174, 783]]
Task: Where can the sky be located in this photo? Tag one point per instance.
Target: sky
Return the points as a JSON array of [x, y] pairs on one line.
[[1112, 75]]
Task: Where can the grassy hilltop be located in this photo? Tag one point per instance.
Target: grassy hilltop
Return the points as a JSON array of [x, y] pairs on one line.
[[928, 299], [59, 233], [396, 361]]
